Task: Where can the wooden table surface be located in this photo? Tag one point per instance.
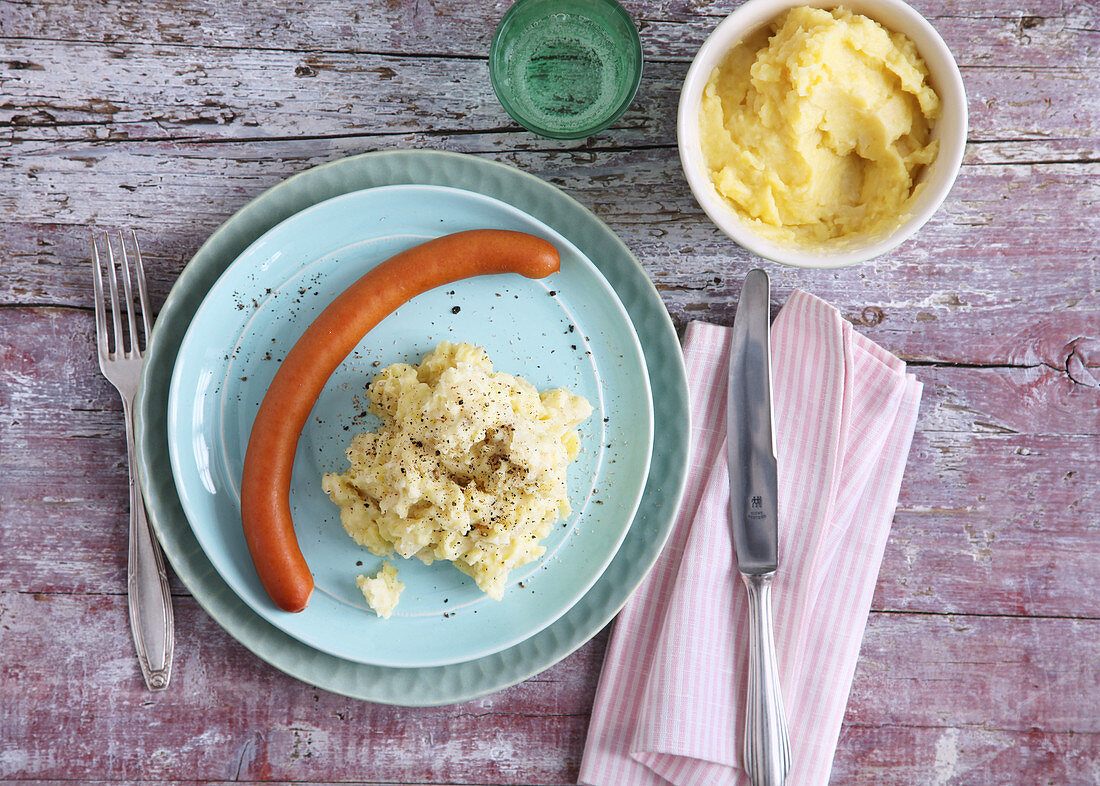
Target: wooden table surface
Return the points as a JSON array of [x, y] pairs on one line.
[[981, 659]]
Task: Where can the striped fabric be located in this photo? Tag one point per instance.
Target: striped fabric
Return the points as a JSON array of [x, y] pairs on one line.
[[669, 707]]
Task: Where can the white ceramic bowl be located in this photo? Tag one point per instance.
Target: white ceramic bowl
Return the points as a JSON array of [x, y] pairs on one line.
[[950, 130]]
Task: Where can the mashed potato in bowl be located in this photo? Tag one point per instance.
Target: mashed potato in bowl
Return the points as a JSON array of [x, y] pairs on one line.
[[818, 128], [469, 465]]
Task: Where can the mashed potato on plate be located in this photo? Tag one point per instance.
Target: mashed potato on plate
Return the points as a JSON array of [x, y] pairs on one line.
[[469, 465], [382, 590]]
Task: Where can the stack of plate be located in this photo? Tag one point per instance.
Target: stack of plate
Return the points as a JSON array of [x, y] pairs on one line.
[[597, 327]]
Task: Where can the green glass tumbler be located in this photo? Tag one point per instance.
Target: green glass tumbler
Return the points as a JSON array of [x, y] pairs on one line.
[[565, 69]]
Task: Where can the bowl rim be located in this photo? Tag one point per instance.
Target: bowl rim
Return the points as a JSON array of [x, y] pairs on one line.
[[940, 176]]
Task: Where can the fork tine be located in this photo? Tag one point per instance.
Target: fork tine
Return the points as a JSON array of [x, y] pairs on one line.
[[143, 290], [128, 291], [116, 318], [97, 288]]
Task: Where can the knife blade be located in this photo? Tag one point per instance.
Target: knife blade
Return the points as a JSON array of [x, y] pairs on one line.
[[750, 443], [754, 520]]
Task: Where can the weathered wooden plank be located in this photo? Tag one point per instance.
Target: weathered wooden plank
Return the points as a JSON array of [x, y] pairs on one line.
[[1040, 210], [932, 670], [940, 700], [158, 92], [175, 781], [965, 539], [1024, 401], [64, 91], [229, 716], [63, 469], [1008, 271], [72, 705], [1019, 38], [1029, 151], [934, 756], [986, 33], [995, 524]]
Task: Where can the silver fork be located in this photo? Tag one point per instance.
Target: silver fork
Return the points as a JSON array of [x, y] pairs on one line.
[[146, 578]]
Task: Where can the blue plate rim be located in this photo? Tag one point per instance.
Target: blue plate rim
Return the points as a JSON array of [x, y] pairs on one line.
[[174, 392]]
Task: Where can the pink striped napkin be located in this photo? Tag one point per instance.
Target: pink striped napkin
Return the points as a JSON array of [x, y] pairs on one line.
[[670, 704]]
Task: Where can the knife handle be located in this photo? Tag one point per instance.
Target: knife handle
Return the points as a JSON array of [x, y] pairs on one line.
[[767, 752]]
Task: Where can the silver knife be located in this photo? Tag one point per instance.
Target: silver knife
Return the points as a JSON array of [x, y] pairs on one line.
[[750, 445]]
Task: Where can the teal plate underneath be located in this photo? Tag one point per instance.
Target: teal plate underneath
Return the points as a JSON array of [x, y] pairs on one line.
[[420, 686]]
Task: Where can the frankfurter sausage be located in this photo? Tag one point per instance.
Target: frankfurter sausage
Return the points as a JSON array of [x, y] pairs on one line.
[[269, 458]]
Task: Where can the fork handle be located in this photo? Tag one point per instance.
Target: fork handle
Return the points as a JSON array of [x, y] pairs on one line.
[[150, 601]]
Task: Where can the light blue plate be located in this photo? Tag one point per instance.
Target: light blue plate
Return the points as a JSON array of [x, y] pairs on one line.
[[567, 330], [652, 523]]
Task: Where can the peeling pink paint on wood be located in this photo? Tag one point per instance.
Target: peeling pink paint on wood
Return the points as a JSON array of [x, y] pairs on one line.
[[982, 650]]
